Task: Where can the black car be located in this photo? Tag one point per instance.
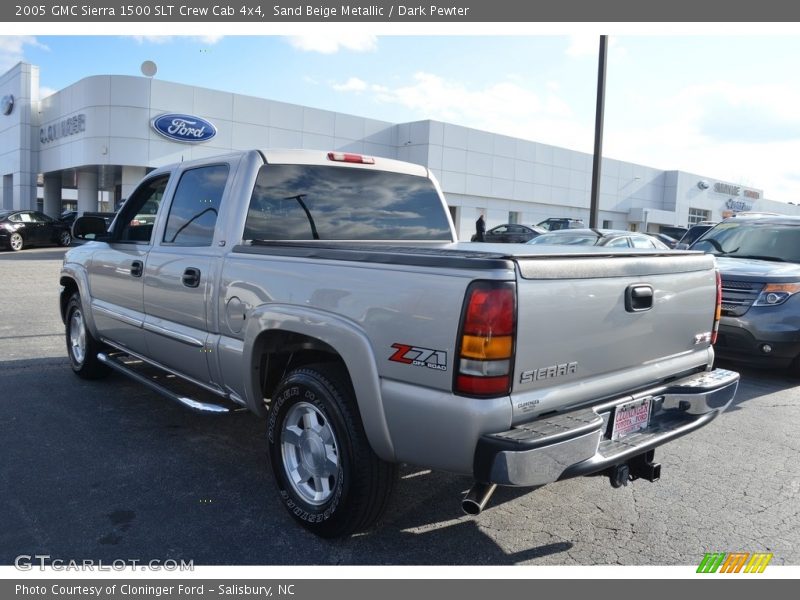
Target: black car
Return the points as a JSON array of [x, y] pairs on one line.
[[22, 228], [510, 233], [694, 233], [670, 241]]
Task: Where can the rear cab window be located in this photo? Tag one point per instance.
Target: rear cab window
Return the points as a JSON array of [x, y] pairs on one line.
[[318, 202]]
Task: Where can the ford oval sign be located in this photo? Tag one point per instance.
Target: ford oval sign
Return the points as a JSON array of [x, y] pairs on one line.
[[184, 128]]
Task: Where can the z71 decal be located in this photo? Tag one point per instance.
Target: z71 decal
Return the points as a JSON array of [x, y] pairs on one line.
[[419, 357]]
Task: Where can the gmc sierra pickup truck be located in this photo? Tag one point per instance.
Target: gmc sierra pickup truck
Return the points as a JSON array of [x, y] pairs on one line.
[[327, 293]]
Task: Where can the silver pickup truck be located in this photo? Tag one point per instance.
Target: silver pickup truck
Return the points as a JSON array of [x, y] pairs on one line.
[[327, 293]]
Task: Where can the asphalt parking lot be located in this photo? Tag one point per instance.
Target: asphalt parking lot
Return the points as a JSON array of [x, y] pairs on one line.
[[109, 470]]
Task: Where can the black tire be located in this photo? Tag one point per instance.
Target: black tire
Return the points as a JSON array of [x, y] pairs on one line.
[[318, 447], [64, 238], [16, 242], [82, 347]]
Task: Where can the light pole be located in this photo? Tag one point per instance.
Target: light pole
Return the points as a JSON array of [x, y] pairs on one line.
[[598, 131]]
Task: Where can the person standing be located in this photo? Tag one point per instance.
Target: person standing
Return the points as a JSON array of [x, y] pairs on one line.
[[480, 229]]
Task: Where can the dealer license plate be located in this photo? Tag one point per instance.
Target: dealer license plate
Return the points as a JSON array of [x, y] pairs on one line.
[[630, 417]]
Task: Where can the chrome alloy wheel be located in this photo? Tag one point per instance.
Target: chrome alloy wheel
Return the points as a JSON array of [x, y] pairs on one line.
[[77, 336], [16, 242], [310, 453]]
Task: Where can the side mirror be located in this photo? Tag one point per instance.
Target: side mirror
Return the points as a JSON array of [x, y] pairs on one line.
[[90, 228]]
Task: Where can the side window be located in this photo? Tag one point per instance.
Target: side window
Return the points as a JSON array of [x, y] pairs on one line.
[[195, 206], [137, 216], [621, 242], [642, 242]]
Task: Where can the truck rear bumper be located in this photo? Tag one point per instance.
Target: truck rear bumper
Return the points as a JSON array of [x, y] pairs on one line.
[[579, 442]]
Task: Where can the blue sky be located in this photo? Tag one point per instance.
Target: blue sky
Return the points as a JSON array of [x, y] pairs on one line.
[[723, 106]]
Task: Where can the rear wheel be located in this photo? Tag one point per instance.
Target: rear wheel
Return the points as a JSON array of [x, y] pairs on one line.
[[82, 347], [64, 238], [328, 477], [15, 242]]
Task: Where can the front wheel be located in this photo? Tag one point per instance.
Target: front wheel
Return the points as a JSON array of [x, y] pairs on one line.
[[328, 477], [82, 347], [64, 238], [15, 242]]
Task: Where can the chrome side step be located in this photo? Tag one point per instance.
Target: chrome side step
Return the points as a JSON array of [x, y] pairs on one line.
[[199, 406]]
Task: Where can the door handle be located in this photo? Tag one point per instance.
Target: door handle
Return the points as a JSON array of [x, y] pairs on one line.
[[638, 298], [137, 267], [191, 277]]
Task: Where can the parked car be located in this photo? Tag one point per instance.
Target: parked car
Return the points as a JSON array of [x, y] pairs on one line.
[[22, 228], [759, 262], [510, 233], [68, 217], [673, 231], [556, 223], [665, 239], [610, 238], [694, 233]]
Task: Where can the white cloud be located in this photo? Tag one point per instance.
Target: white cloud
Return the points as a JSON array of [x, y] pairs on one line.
[[354, 84], [168, 39], [505, 107], [12, 49], [328, 43], [719, 130]]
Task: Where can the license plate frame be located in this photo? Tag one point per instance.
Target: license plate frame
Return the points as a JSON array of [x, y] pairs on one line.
[[630, 417]]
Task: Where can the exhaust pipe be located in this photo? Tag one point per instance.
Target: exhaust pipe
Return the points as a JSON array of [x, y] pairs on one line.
[[477, 497]]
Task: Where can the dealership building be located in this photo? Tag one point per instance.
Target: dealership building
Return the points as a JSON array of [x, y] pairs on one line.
[[87, 145]]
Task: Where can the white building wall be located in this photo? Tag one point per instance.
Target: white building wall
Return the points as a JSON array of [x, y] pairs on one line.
[[18, 164], [478, 170]]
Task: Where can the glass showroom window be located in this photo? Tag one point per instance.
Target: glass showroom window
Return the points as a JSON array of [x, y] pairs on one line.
[[698, 214]]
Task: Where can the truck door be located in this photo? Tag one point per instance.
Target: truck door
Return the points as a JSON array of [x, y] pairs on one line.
[[115, 273], [180, 273]]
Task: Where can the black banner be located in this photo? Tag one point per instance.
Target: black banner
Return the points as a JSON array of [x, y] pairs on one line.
[[447, 11]]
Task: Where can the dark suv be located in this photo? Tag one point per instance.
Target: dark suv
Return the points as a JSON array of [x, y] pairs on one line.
[[759, 261]]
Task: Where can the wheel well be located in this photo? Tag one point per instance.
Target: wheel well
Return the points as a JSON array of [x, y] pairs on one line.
[[275, 353], [70, 287]]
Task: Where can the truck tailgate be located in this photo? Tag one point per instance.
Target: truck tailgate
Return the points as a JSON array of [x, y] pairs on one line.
[[588, 319]]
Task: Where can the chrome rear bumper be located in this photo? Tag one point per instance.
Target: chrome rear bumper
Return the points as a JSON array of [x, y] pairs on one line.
[[579, 442]]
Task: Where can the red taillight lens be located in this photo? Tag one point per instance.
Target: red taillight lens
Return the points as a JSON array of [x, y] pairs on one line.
[[490, 312], [351, 158], [486, 339], [717, 310]]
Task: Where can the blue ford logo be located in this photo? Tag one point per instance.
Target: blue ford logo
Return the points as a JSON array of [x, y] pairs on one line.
[[184, 128]]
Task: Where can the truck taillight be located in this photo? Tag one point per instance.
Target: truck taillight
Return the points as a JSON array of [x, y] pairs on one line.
[[717, 309], [486, 339], [351, 158]]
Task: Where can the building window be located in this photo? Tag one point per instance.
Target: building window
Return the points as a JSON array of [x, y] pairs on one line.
[[698, 214], [513, 217], [607, 225]]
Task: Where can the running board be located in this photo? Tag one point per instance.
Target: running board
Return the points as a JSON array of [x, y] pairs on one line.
[[199, 406]]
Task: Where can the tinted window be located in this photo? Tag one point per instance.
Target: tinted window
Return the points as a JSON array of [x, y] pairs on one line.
[[760, 240], [195, 206], [133, 225], [302, 202]]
